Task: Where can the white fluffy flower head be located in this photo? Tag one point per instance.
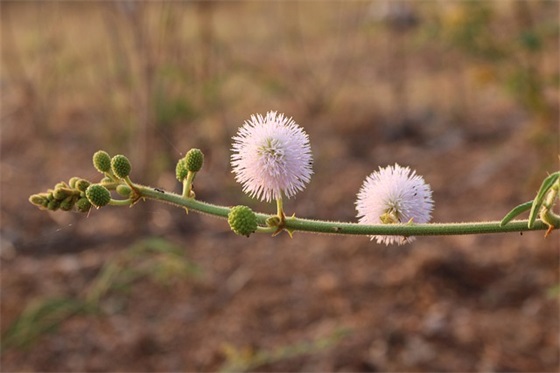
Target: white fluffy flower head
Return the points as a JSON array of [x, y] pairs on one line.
[[394, 194], [271, 157]]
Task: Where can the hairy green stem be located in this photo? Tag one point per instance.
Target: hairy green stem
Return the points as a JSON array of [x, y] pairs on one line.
[[120, 202], [187, 185], [335, 227], [280, 208]]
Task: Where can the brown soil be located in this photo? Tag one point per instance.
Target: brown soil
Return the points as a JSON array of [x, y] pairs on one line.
[[307, 303]]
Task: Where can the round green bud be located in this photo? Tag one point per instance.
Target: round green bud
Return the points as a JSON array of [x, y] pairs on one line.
[[67, 203], [242, 220], [120, 166], [102, 161], [62, 184], [194, 160], [98, 195], [38, 200], [47, 198], [181, 170], [61, 193], [72, 182], [82, 184], [53, 205], [124, 190], [83, 204]]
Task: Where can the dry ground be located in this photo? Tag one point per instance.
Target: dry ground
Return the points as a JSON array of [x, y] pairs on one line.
[[74, 81]]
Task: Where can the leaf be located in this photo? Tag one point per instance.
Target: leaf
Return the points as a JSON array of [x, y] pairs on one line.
[[538, 201], [515, 212]]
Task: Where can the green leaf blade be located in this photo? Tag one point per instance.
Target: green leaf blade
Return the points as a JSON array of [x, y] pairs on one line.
[[515, 212], [539, 199]]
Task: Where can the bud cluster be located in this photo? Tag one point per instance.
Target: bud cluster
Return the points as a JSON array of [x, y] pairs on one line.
[[186, 170], [191, 162], [118, 166], [64, 196], [81, 194]]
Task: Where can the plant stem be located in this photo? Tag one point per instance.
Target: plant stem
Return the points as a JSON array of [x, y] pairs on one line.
[[120, 202], [187, 184], [280, 209], [335, 227]]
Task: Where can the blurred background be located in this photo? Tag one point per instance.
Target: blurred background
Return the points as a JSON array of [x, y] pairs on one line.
[[466, 93]]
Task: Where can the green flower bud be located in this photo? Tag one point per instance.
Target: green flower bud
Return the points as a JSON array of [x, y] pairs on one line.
[[72, 182], [120, 166], [83, 204], [181, 170], [124, 190], [102, 161], [53, 205], [62, 184], [67, 203], [39, 200], [98, 195], [194, 160], [82, 185], [61, 193], [242, 220]]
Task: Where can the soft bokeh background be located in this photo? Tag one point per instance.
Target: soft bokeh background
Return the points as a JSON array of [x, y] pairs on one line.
[[466, 93]]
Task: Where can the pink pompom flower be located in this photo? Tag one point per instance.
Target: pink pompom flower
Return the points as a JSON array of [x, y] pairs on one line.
[[394, 194], [271, 157]]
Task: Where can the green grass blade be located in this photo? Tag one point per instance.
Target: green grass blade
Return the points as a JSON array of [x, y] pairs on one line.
[[38, 319]]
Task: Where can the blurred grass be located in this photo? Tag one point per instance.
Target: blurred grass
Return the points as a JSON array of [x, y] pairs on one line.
[[243, 360], [166, 65], [154, 259]]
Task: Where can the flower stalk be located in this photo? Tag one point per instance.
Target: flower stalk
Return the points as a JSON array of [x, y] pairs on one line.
[[188, 185]]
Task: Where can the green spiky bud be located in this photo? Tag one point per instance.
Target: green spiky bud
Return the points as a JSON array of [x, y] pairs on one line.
[[120, 166], [124, 190], [102, 161], [82, 184], [181, 170], [47, 198], [62, 184], [72, 182], [242, 220], [67, 203], [53, 205], [61, 193], [83, 204], [194, 160], [98, 195], [39, 200]]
